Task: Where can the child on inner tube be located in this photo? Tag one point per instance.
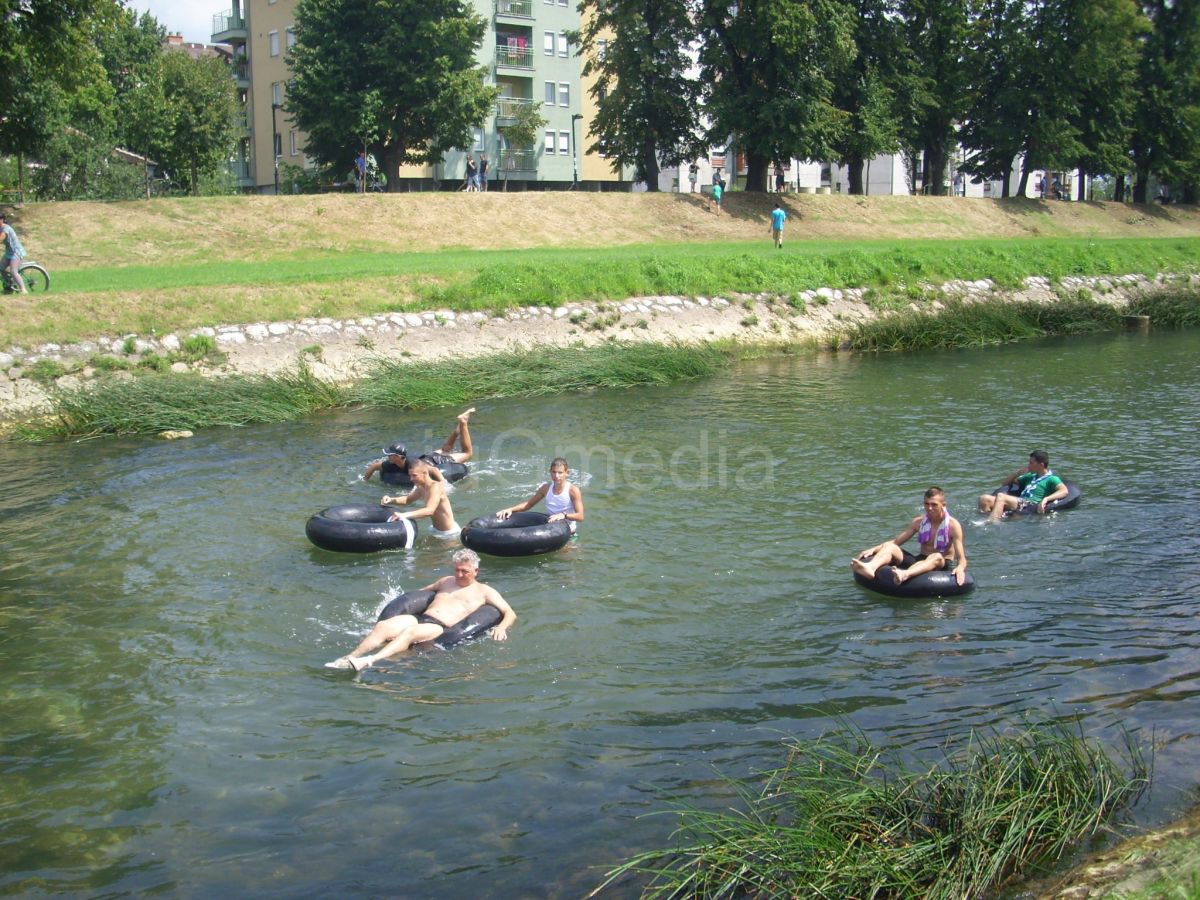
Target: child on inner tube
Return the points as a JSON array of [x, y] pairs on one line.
[[564, 501], [941, 538], [395, 460]]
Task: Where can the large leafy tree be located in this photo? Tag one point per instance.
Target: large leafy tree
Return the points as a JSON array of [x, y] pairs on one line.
[[936, 33], [647, 103], [1166, 137], [874, 88], [407, 64], [131, 50], [769, 68], [200, 106]]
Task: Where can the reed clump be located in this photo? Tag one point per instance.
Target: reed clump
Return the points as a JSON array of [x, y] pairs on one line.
[[411, 385], [148, 404], [1169, 309], [958, 323], [840, 820]]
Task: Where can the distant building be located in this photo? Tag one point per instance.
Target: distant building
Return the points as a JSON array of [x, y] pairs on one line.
[[525, 52]]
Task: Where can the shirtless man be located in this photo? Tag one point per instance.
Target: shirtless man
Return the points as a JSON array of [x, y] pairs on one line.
[[431, 494], [395, 460], [1036, 486], [941, 538], [458, 596]]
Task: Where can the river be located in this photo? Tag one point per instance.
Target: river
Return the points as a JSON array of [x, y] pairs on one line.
[[170, 727]]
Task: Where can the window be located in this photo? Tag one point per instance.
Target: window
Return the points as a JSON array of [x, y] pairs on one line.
[[550, 140], [562, 44], [277, 93], [601, 50], [562, 2], [564, 143], [278, 145], [564, 94], [551, 93], [477, 133], [716, 159], [293, 143], [290, 39], [548, 43], [273, 37]]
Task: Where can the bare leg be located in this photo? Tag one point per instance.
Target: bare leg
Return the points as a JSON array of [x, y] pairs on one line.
[[886, 555], [409, 636], [931, 563], [382, 633], [460, 435], [1001, 504]]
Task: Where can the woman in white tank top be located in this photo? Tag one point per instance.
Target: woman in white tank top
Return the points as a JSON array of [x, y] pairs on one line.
[[564, 501]]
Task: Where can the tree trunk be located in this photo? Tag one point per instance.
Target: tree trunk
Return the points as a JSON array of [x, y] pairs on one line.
[[1004, 192], [1023, 184], [1189, 194], [391, 166], [756, 172], [854, 174], [1082, 192], [1141, 185], [936, 155], [1119, 189], [649, 164]]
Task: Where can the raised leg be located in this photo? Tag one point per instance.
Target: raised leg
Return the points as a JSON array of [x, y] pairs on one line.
[[461, 436]]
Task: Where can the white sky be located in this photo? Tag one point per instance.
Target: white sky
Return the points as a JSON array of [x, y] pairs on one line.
[[192, 18]]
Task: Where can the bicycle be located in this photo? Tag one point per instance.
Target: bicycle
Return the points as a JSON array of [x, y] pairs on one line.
[[37, 279]]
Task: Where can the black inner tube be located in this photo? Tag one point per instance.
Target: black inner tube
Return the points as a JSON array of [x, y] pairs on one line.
[[359, 528], [413, 603], [521, 534]]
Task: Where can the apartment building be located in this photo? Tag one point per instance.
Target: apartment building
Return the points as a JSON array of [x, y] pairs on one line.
[[525, 53]]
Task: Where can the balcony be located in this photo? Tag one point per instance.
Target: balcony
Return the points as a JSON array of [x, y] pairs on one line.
[[229, 29], [514, 56], [240, 170], [241, 72], [508, 108], [514, 9], [517, 161]]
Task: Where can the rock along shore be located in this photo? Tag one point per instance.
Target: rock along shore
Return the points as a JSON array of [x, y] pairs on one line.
[[339, 349]]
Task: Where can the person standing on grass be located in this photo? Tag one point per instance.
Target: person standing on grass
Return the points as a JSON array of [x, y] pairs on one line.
[[360, 168], [13, 254], [716, 196], [472, 174], [484, 166], [778, 217]]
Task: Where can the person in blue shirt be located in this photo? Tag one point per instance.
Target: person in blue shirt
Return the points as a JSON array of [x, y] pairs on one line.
[[778, 217], [13, 254]]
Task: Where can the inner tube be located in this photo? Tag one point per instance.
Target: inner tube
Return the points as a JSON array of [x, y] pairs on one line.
[[521, 534], [414, 603], [451, 471], [360, 528], [1068, 502], [928, 584]]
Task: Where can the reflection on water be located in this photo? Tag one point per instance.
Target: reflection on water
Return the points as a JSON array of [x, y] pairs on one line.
[[169, 725]]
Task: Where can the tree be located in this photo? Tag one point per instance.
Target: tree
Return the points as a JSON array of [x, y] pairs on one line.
[[647, 105], [201, 107], [1166, 137], [522, 131], [873, 88], [936, 34], [418, 55], [768, 70]]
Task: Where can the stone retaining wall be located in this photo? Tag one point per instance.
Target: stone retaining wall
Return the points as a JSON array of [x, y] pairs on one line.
[[337, 349]]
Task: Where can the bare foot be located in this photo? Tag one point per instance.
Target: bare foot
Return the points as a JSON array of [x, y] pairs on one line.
[[899, 576], [359, 663], [341, 663], [465, 417], [860, 568]]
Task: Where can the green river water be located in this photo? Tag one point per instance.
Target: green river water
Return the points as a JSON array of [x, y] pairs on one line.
[[169, 726]]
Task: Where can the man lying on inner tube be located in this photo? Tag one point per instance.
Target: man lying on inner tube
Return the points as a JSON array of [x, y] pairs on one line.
[[395, 460], [941, 538], [458, 596], [1036, 486]]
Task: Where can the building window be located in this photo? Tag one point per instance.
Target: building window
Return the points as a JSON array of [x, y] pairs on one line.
[[548, 43], [290, 37], [551, 93], [562, 2], [273, 37], [292, 143], [564, 94], [716, 159], [562, 44], [564, 143], [277, 93], [550, 143], [278, 145], [478, 135], [601, 50]]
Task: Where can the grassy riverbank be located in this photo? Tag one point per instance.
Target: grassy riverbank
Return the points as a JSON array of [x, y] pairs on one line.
[[840, 819], [175, 265]]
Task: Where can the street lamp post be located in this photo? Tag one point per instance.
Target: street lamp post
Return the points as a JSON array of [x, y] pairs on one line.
[[574, 152]]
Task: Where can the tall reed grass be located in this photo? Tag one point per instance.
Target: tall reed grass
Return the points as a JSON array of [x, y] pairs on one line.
[[838, 819]]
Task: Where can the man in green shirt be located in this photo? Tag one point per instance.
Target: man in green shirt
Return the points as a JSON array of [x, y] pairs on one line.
[[1036, 486]]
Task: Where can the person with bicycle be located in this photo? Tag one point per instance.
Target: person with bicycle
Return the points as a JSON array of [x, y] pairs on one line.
[[13, 253]]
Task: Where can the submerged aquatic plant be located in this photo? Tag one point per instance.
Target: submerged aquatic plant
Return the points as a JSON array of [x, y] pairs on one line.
[[840, 820]]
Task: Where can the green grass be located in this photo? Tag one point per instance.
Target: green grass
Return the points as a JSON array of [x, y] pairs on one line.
[[839, 819], [158, 402], [977, 324]]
